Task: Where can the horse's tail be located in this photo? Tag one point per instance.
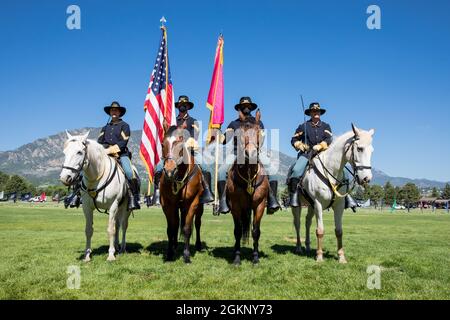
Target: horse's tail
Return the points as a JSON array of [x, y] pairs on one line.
[[246, 219]]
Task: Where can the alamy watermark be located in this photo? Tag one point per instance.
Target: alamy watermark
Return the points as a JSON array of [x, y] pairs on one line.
[[74, 279], [374, 277], [374, 20], [73, 21]]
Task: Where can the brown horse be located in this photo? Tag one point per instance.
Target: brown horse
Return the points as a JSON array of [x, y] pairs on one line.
[[181, 188], [247, 186]]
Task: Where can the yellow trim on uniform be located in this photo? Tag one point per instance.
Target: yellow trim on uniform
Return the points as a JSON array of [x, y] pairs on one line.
[[195, 128], [124, 136], [101, 134], [298, 134], [328, 132]]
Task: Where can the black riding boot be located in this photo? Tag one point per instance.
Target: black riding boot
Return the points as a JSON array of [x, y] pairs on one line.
[[293, 192], [76, 198], [133, 195], [272, 201], [207, 196], [351, 203], [156, 193], [223, 205]]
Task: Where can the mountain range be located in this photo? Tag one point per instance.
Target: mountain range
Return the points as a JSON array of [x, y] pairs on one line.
[[40, 161]]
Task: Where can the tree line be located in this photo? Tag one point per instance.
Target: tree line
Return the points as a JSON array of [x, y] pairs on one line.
[[388, 194], [20, 185]]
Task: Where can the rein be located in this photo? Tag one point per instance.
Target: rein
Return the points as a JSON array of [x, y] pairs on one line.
[[93, 193], [177, 185], [338, 183]]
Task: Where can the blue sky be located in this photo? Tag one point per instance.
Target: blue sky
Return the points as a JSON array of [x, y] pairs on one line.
[[395, 80]]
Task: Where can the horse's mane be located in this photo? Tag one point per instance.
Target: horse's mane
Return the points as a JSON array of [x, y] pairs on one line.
[[343, 139], [98, 149]]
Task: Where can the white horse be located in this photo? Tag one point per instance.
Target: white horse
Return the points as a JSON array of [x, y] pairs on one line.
[[104, 187], [322, 184]]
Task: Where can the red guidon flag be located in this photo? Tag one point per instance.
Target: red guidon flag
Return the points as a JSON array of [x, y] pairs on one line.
[[159, 105]]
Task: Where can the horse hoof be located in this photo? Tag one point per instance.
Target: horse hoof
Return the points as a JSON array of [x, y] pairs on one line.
[[342, 260], [111, 258], [237, 262], [299, 251], [198, 247], [187, 260], [87, 259], [255, 261], [319, 258]]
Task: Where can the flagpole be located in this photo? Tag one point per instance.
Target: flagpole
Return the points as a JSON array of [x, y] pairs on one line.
[[216, 173]]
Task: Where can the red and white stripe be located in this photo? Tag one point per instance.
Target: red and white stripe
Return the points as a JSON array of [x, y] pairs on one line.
[[153, 133]]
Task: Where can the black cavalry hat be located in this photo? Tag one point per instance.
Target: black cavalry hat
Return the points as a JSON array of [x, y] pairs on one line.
[[244, 102], [115, 104], [315, 106], [184, 101]]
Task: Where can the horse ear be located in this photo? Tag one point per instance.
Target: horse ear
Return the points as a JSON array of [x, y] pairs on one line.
[[69, 136], [241, 116], [85, 136], [372, 132], [355, 131], [258, 116]]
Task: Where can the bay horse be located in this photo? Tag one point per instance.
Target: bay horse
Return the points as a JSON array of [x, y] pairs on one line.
[[104, 187], [181, 188], [324, 186], [247, 186]]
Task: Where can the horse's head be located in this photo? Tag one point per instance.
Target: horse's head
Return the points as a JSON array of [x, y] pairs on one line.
[[75, 152], [359, 154], [249, 137], [173, 149]]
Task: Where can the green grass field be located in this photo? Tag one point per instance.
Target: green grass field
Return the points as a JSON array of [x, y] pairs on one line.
[[39, 242]]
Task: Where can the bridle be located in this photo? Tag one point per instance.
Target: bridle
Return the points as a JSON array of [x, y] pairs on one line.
[[352, 161], [78, 170], [177, 185], [338, 184], [251, 180]]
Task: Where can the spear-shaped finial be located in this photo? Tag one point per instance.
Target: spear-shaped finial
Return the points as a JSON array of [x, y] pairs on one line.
[[162, 20]]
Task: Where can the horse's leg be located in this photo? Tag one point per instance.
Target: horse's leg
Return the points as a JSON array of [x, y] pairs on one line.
[[124, 223], [187, 229], [256, 232], [198, 224], [308, 224], [112, 229], [237, 236], [296, 212], [319, 230], [338, 214], [172, 231], [89, 231], [116, 236]]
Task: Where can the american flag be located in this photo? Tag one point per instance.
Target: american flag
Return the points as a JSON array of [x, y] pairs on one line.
[[159, 105]]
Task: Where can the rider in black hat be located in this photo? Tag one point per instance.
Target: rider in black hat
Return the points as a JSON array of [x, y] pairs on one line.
[[184, 105], [313, 136], [246, 106], [114, 137]]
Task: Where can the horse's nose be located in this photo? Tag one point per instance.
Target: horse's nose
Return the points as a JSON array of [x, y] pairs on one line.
[[170, 173], [67, 180], [366, 180]]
